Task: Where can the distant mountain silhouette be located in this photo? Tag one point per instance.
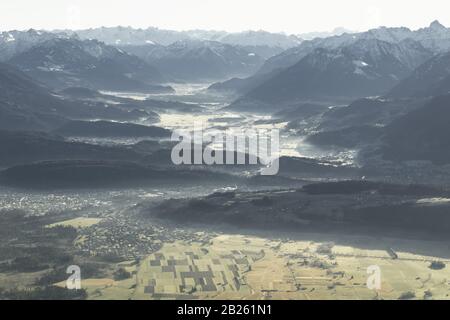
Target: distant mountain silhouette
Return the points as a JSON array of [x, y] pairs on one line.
[[131, 36], [198, 60]]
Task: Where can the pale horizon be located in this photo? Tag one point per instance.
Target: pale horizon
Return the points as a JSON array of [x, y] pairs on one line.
[[283, 16]]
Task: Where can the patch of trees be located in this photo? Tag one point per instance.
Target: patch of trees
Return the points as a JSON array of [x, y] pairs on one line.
[[355, 187], [43, 293], [437, 265], [121, 274]]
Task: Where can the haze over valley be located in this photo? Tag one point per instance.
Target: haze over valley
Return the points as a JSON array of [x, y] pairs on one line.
[[87, 175]]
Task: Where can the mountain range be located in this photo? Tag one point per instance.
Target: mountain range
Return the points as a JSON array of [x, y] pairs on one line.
[[28, 105], [381, 83], [69, 62], [15, 42], [367, 67], [435, 38], [130, 36], [196, 56], [194, 60], [368, 63]]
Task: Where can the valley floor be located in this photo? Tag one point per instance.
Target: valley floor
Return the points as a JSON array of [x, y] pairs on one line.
[[126, 253], [250, 267]]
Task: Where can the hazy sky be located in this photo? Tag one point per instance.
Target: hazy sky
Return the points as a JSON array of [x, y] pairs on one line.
[[291, 16]]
